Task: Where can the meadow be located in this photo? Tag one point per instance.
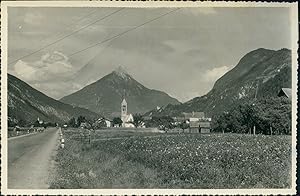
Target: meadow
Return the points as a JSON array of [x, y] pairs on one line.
[[122, 159]]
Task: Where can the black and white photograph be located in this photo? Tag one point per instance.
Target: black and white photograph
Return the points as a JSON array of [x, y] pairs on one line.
[[180, 98]]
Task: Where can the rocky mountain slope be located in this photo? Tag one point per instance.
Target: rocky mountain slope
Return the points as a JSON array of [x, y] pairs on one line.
[[260, 73], [105, 95], [27, 103]]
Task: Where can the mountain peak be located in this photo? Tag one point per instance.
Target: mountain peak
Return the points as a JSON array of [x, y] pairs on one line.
[[120, 71], [104, 96]]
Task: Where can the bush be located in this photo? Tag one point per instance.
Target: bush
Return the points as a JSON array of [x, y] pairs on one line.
[[160, 121], [117, 121]]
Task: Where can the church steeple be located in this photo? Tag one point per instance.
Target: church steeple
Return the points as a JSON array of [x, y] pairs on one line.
[[123, 108], [124, 103]]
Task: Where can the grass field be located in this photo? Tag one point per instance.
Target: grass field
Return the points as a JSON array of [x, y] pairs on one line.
[[122, 159]]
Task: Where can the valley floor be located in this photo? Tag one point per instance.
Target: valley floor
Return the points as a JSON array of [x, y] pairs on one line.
[[130, 159]]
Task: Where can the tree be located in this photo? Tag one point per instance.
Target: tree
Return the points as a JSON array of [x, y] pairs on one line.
[[80, 119], [22, 123], [219, 123], [160, 121], [12, 121], [137, 120], [99, 124], [117, 121], [276, 113], [37, 123], [72, 122], [266, 114], [249, 116], [184, 126]]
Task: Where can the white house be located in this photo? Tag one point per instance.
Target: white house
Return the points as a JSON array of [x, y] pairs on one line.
[[285, 92], [40, 121], [102, 122]]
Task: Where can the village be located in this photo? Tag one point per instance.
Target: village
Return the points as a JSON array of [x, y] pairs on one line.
[[192, 122], [189, 122]]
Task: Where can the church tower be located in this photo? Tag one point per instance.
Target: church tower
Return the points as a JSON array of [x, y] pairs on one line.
[[123, 110]]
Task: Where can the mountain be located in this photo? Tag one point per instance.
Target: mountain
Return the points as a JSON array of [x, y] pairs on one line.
[[105, 95], [260, 73], [27, 103]]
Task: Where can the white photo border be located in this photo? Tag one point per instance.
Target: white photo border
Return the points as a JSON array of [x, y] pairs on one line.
[[4, 16]]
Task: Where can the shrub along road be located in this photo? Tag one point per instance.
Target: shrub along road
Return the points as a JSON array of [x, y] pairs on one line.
[[30, 159]]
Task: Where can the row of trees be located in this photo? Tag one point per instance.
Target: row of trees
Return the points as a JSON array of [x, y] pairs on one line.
[[73, 122], [265, 116], [166, 122], [12, 122], [24, 123], [161, 121]]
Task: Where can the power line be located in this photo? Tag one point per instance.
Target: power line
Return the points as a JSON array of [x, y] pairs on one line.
[[66, 36], [73, 23], [118, 35], [61, 32], [85, 16]]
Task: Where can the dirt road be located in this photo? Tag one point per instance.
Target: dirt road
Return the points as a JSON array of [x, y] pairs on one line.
[[30, 159]]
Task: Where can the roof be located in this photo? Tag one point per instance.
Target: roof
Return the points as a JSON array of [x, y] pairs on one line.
[[194, 115], [179, 118], [103, 118], [124, 102], [200, 124], [287, 92], [128, 118]]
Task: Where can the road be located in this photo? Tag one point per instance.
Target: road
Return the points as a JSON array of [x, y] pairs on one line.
[[30, 160]]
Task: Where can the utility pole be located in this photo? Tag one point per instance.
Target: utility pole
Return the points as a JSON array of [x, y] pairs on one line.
[[255, 97], [89, 136], [257, 85], [98, 103], [256, 91]]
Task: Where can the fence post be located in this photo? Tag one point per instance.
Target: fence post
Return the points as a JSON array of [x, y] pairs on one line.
[[254, 130], [89, 136], [62, 140], [62, 143], [271, 130]]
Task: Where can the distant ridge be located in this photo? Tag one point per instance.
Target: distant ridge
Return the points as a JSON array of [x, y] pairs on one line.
[[27, 103], [262, 72]]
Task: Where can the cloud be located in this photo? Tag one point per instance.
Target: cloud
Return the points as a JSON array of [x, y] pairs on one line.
[[51, 66], [215, 73], [57, 89], [49, 75], [190, 45]]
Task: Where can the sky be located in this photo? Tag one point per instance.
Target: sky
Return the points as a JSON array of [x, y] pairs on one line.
[[182, 53]]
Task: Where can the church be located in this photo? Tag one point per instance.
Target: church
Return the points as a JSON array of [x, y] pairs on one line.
[[127, 119]]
